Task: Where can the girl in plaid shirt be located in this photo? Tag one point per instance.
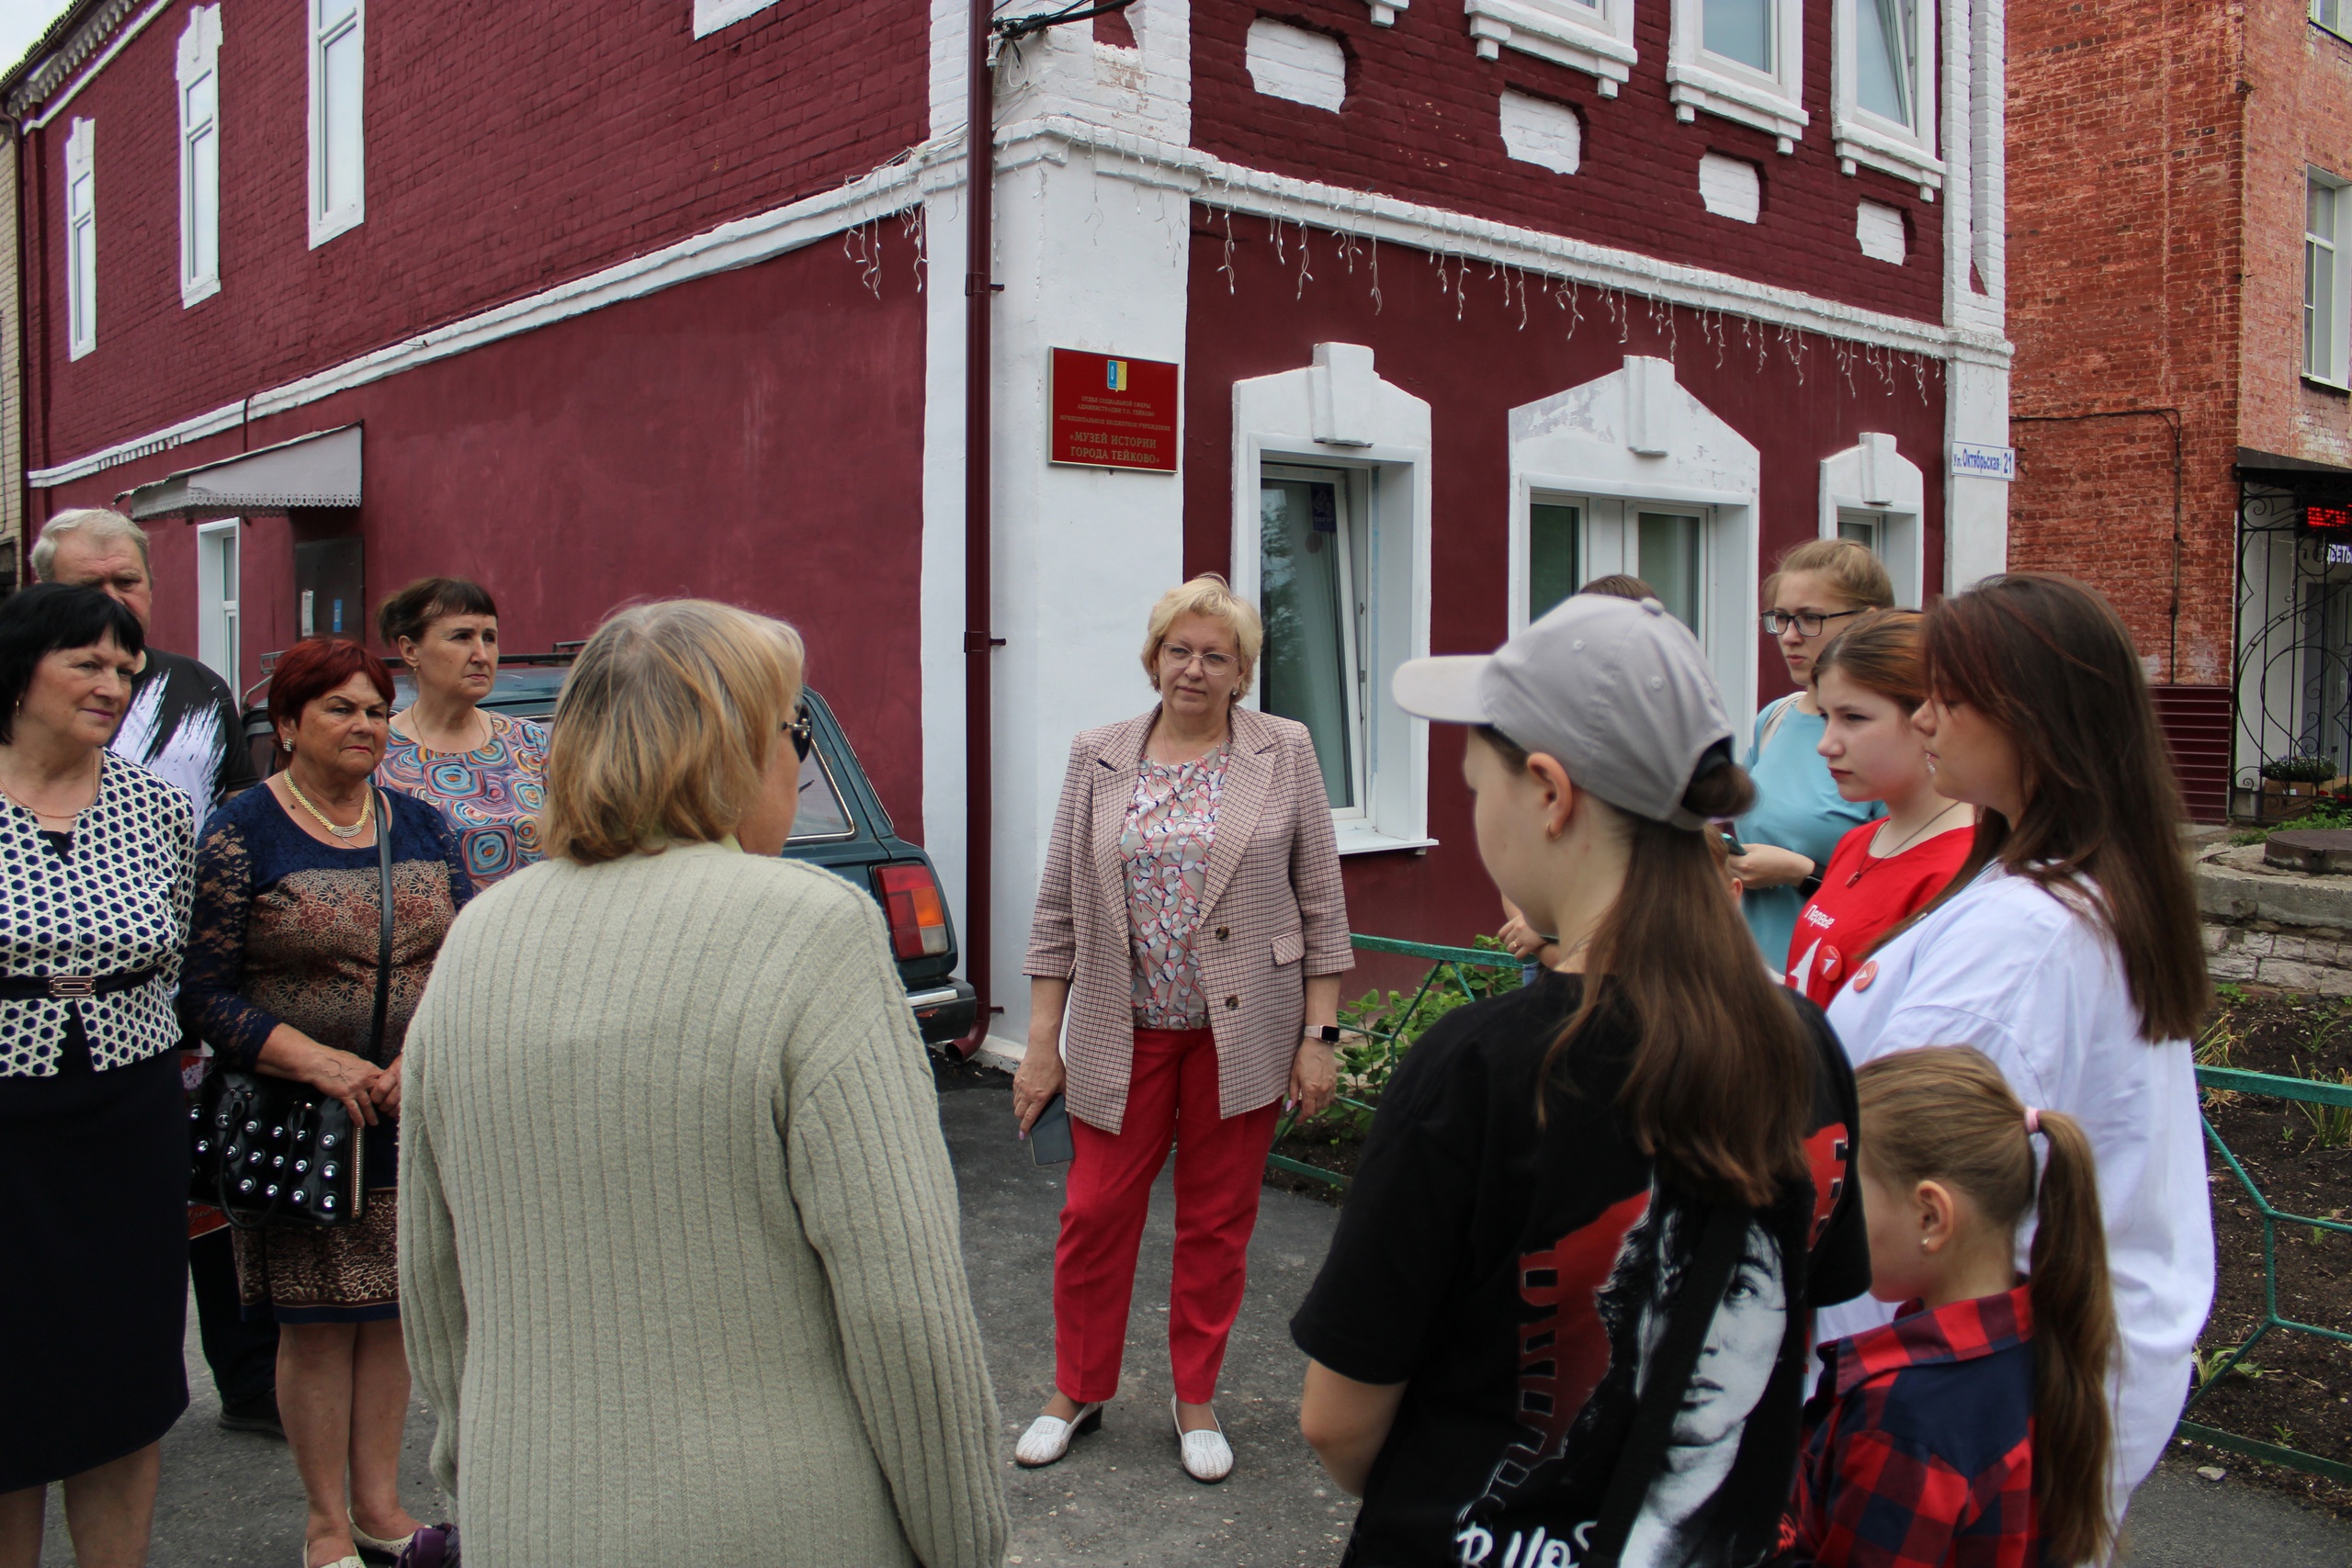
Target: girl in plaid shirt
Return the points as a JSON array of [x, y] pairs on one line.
[[1973, 1431]]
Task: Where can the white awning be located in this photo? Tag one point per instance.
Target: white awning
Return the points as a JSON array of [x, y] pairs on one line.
[[310, 470]]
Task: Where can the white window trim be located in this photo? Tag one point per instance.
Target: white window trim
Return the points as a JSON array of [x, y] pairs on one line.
[[1597, 40], [1696, 79], [1872, 477], [2340, 27], [1634, 436], [325, 225], [199, 55], [2340, 350], [1871, 141], [81, 301], [1337, 413], [712, 14], [210, 597]]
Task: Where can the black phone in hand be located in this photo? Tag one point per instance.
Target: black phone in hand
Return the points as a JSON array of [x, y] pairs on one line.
[[1049, 1139]]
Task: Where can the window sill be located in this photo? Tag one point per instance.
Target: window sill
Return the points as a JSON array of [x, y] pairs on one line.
[[1858, 142], [1595, 52], [1696, 87], [327, 228], [1362, 838], [2320, 385], [195, 294]]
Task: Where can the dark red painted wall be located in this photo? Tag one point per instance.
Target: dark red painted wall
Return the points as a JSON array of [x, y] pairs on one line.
[[1472, 371], [1419, 123], [757, 436], [509, 147]]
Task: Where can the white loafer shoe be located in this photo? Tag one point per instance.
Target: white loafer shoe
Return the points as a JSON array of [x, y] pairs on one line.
[[366, 1542], [1207, 1457], [1049, 1437]]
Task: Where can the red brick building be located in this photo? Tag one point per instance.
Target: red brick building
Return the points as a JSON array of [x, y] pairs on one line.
[[2181, 403], [1468, 302]]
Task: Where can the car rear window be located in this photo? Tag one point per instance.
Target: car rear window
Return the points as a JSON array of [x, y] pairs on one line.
[[821, 813]]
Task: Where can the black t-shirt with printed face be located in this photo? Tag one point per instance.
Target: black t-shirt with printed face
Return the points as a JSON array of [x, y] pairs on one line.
[[1517, 1276]]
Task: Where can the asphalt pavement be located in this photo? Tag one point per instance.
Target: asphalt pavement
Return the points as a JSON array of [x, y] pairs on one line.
[[1119, 1498]]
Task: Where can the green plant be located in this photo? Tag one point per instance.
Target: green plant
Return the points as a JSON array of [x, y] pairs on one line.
[[1378, 1029], [2218, 1046], [2229, 994], [2330, 1124], [2299, 769], [2285, 1434]]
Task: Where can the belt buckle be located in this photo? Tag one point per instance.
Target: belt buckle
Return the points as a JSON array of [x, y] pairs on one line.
[[63, 986]]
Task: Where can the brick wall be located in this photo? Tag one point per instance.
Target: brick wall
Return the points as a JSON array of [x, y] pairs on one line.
[[2127, 146], [509, 147], [1419, 123]]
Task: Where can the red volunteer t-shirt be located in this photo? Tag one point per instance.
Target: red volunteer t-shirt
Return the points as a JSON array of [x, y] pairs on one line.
[[1860, 899]]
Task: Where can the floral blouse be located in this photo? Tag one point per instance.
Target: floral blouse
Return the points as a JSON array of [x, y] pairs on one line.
[[493, 793], [1164, 849]]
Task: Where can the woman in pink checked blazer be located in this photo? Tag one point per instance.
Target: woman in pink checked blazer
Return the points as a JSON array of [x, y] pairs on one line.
[[1191, 924]]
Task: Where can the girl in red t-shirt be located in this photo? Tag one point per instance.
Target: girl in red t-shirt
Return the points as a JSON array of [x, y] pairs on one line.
[[1868, 684]]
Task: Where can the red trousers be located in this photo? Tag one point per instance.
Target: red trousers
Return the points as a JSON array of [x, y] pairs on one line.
[[1220, 1162]]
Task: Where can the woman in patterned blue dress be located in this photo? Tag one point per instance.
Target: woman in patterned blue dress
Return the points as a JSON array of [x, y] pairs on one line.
[[488, 771], [95, 878]]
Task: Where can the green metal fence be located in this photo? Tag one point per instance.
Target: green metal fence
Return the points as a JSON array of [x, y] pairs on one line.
[[1448, 966]]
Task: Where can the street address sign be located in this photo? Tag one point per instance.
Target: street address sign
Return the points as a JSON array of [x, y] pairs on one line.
[[1973, 462], [1113, 413]]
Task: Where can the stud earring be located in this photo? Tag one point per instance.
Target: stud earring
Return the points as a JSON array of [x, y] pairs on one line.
[[289, 745]]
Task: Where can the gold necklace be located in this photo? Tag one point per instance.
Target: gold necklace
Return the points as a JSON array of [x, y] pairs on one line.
[[366, 811]]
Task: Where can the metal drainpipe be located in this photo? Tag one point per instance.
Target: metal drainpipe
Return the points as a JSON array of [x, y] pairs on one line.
[[979, 750]]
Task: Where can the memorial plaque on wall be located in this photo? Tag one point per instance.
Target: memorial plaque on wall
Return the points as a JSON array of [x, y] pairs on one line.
[[1113, 413]]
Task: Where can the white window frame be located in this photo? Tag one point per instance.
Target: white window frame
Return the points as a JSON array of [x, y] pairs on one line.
[[712, 14], [1771, 101], [1359, 503], [218, 628], [1337, 413], [1636, 441], [81, 239], [326, 224], [2336, 371], [199, 57], [1866, 139], [1596, 38], [1871, 480], [2332, 16]]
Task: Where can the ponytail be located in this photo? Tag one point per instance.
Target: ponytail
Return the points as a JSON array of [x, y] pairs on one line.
[[1944, 1113], [1722, 1082], [2074, 1345]]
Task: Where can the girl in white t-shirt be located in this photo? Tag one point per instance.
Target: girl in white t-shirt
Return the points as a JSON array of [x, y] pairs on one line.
[[2066, 949]]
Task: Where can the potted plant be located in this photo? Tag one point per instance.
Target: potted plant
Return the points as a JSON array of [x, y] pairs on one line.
[[2291, 784]]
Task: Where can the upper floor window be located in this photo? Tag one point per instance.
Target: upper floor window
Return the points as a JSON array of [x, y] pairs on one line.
[[339, 162], [2327, 271], [81, 241], [2335, 15], [1740, 60], [712, 14], [1886, 97], [199, 95], [1592, 35]]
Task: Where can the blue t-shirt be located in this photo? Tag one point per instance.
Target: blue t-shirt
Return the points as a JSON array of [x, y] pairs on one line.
[[1797, 808]]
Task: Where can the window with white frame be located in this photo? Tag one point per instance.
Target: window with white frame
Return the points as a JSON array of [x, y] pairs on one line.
[[1886, 97], [712, 14], [2328, 279], [199, 81], [1573, 539], [1331, 541], [81, 240], [2335, 15], [1595, 37], [215, 598], [338, 141], [1873, 495], [1742, 60]]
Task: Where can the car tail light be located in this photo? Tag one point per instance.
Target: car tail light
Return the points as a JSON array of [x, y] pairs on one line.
[[911, 903]]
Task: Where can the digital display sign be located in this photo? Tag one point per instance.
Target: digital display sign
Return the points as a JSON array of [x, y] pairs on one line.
[[2316, 515]]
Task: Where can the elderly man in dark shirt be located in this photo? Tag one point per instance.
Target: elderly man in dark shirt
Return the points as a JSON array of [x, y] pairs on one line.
[[183, 725]]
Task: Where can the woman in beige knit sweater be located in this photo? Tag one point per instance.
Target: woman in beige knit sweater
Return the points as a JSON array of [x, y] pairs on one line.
[[679, 1252]]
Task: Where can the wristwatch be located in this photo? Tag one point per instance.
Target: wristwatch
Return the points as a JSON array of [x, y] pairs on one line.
[[1810, 884], [1328, 1034]]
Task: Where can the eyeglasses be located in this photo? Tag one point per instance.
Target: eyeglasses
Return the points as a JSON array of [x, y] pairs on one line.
[[1806, 623], [803, 733], [1176, 656]]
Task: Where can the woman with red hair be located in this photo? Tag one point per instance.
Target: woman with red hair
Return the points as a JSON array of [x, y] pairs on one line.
[[281, 978]]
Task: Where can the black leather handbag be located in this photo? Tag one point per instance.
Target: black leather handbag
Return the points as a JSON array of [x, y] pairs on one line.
[[271, 1150]]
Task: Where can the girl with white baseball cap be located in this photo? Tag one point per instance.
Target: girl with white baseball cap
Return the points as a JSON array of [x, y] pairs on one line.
[[1564, 1317]]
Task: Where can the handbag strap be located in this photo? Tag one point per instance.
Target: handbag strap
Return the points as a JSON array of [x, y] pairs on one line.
[[384, 922], [1671, 1365]]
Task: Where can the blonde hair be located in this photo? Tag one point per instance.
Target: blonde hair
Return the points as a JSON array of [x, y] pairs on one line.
[[99, 522], [1854, 574], [1210, 595], [665, 727]]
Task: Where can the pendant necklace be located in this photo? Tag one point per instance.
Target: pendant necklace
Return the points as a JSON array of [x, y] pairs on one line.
[[1870, 860], [366, 812]]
